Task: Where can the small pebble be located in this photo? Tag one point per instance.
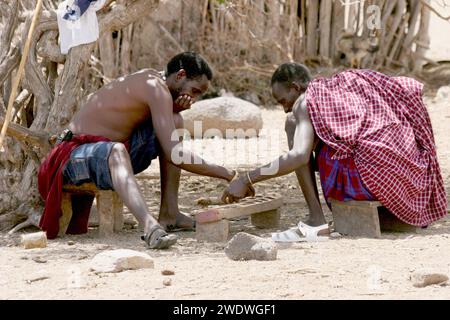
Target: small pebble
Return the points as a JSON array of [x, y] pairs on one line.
[[70, 242], [167, 272], [167, 282], [39, 260]]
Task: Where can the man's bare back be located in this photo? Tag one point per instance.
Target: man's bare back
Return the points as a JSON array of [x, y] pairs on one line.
[[117, 109]]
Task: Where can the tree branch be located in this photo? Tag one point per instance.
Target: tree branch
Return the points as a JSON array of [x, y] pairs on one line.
[[38, 139], [426, 4]]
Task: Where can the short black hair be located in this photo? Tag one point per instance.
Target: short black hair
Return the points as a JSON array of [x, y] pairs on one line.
[[194, 65], [290, 72]]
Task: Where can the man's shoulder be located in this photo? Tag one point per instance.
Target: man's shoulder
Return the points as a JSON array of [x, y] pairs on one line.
[[300, 109], [147, 80]]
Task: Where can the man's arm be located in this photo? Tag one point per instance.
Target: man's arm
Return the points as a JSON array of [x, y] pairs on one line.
[[297, 157], [160, 101]]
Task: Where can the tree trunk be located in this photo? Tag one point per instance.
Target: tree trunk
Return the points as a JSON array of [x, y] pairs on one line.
[[56, 98]]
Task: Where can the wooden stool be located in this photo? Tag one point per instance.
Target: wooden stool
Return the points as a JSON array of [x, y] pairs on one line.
[[365, 219], [109, 207], [212, 224]]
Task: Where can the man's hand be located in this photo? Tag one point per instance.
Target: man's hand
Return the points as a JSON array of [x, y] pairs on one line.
[[239, 188], [184, 101]]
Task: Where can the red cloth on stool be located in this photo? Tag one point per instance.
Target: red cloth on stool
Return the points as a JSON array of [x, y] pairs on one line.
[[50, 181]]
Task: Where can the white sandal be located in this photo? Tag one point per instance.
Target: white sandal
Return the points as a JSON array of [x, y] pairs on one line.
[[301, 233]]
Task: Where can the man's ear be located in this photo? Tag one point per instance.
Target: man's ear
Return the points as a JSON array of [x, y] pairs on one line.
[[181, 74], [297, 86]]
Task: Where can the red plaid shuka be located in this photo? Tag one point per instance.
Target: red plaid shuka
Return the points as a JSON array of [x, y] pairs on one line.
[[382, 123]]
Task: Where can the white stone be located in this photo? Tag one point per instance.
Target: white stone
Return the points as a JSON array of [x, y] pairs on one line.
[[221, 114], [443, 93], [244, 246], [424, 278], [34, 240], [119, 260]]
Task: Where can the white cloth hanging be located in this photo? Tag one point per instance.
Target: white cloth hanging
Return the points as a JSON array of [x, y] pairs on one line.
[[81, 31]]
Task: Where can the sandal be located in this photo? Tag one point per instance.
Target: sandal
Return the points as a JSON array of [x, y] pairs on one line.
[[301, 233], [158, 238], [176, 228]]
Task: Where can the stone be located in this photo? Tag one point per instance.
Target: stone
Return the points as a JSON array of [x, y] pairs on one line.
[[244, 246], [222, 113], [443, 93], [70, 243], [39, 260], [167, 272], [356, 218], [251, 97], [167, 282], [424, 278], [120, 260], [34, 240], [213, 231]]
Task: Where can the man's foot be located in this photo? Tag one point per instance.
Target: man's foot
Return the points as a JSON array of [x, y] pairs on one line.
[[182, 222], [157, 238], [317, 223]]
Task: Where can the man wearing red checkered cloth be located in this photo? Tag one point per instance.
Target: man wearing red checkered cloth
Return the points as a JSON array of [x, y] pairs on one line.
[[372, 138]]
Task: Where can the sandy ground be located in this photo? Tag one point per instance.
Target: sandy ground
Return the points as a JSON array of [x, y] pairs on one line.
[[344, 268]]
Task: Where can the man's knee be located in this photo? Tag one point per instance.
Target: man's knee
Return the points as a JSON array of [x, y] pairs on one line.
[[118, 153], [178, 121]]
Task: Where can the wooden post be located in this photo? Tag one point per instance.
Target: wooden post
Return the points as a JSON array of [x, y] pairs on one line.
[[423, 40], [311, 28], [66, 208], [338, 26], [326, 7], [105, 214], [18, 77]]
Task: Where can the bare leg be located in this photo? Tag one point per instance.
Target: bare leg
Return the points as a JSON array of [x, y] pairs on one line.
[[169, 213], [125, 185], [307, 181]]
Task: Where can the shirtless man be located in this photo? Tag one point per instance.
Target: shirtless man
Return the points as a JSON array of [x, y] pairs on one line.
[[138, 114], [372, 140], [289, 93]]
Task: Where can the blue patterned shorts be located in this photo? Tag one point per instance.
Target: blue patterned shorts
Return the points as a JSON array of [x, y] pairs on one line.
[[89, 162]]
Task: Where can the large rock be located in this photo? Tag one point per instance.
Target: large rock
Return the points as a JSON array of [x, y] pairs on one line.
[[244, 246], [119, 260], [219, 114]]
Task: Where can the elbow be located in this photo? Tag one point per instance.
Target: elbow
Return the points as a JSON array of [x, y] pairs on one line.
[[301, 159]]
